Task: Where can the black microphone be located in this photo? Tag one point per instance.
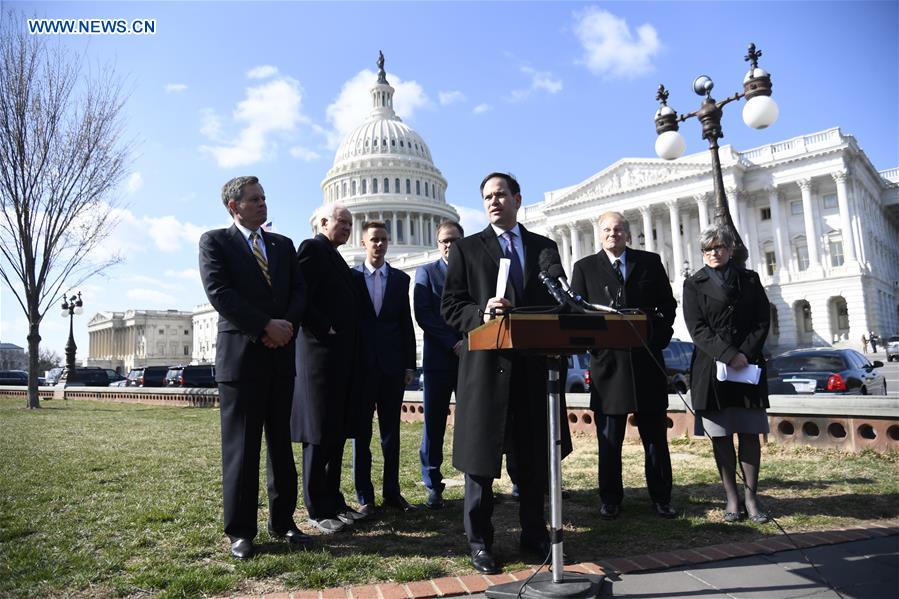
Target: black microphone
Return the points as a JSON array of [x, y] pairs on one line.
[[557, 272], [553, 288], [547, 261]]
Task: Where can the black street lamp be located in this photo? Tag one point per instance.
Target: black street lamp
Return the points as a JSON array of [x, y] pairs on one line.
[[759, 112], [70, 307]]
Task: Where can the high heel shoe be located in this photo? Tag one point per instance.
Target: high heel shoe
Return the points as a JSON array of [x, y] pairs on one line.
[[759, 518], [731, 517]]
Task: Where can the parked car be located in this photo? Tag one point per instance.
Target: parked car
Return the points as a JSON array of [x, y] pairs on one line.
[[53, 375], [578, 377], [417, 382], [147, 376], [114, 377], [13, 377], [825, 370], [677, 358], [892, 348], [197, 375], [121, 383], [86, 376]]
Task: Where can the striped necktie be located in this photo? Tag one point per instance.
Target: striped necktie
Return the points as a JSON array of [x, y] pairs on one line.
[[260, 257]]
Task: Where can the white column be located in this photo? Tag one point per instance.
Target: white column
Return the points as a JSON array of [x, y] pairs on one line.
[[780, 257], [566, 252], [677, 250], [646, 213], [575, 243], [734, 208], [702, 204], [845, 224], [811, 238], [597, 236], [407, 226], [421, 228]]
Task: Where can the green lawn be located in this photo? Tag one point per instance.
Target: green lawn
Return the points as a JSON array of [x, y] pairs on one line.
[[103, 499]]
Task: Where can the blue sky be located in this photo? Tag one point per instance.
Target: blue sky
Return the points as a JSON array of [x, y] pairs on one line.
[[550, 91]]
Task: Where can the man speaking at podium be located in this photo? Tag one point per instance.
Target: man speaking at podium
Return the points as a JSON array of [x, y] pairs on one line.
[[501, 399]]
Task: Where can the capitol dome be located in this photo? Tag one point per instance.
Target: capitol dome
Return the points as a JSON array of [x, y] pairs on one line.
[[383, 171]]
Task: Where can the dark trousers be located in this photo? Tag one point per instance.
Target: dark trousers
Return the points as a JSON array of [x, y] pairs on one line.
[[531, 479], [322, 466], [247, 409], [657, 463], [439, 387], [386, 391]]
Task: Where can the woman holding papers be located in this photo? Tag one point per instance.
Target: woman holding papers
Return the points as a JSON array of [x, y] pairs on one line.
[[727, 313]]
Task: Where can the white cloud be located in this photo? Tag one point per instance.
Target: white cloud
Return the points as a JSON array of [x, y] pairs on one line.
[[482, 108], [262, 72], [540, 80], [211, 124], [471, 219], [169, 233], [188, 274], [354, 102], [174, 88], [135, 182], [450, 97], [152, 297], [304, 154], [269, 110], [611, 49]]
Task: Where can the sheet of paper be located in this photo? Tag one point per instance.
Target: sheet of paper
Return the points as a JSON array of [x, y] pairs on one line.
[[749, 375], [502, 277]]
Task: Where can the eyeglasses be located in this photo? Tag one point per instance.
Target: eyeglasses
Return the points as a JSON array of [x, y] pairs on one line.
[[715, 248], [447, 242]]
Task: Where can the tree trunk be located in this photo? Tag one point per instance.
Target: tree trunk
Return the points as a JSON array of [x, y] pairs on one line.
[[34, 343]]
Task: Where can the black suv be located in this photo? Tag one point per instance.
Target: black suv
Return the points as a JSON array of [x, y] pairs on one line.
[[198, 375], [147, 376], [87, 376], [13, 377]]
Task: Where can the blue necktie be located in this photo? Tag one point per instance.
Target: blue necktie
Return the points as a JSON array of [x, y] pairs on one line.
[[515, 272]]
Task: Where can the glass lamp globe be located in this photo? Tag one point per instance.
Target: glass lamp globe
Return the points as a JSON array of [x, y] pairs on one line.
[[64, 312], [760, 112], [670, 145], [78, 309]]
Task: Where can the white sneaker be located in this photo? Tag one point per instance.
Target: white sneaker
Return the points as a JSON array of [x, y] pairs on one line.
[[350, 516], [328, 526]]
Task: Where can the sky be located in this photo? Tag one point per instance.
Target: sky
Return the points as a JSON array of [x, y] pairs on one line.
[[552, 92]]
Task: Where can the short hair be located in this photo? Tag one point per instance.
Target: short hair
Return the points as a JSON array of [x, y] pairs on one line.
[[514, 187], [720, 233], [328, 211], [444, 224], [233, 189], [611, 213], [373, 224]]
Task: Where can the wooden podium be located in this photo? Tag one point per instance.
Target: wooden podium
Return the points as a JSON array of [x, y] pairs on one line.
[[555, 335]]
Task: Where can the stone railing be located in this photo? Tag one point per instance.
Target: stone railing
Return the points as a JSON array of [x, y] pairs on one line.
[[848, 423]]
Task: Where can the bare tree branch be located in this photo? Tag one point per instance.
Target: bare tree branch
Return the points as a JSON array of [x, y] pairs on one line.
[[62, 158]]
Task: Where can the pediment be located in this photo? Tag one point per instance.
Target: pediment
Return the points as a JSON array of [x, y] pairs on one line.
[[625, 176]]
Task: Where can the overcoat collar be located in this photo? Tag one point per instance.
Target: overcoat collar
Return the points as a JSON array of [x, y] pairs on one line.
[[491, 244]]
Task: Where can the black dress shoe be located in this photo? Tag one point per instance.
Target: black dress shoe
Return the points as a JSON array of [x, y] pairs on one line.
[[483, 562], [400, 503], [292, 536], [242, 548], [608, 511], [537, 550], [665, 510], [435, 500]]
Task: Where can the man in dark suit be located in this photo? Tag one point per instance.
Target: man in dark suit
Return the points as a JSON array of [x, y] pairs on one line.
[[501, 400], [325, 358], [252, 280], [387, 351], [439, 362], [629, 380]]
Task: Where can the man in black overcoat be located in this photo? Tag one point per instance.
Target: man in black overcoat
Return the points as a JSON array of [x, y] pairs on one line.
[[387, 353], [252, 280], [325, 358], [625, 381], [501, 399]]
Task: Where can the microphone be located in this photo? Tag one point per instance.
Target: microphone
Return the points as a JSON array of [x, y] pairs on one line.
[[557, 272], [553, 288], [548, 260]]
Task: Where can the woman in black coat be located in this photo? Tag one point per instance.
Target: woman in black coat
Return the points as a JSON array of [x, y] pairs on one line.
[[727, 313]]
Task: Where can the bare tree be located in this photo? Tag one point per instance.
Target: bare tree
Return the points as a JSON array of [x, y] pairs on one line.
[[61, 159]]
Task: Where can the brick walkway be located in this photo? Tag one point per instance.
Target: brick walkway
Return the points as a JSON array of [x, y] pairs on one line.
[[453, 586]]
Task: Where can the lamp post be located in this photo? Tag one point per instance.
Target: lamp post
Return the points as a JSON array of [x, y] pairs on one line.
[[70, 307], [759, 112]]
